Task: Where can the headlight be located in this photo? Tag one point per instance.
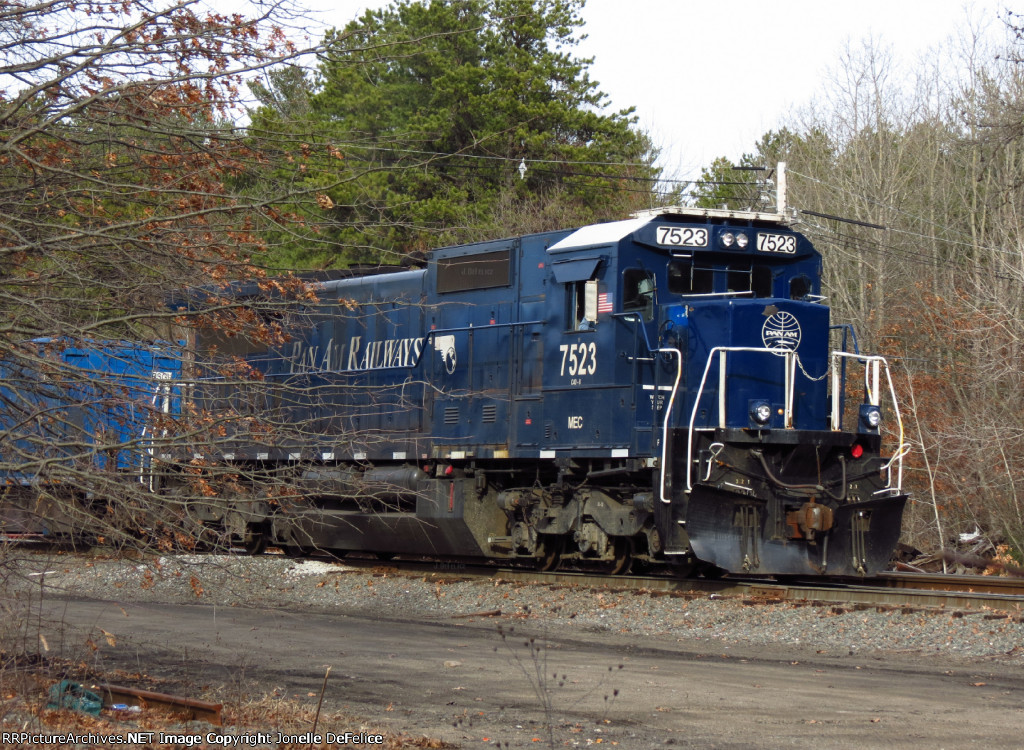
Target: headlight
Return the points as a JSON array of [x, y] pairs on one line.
[[760, 411], [871, 416], [741, 241], [728, 239]]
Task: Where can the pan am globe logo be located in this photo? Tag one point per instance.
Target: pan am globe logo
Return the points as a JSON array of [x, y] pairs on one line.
[[781, 333]]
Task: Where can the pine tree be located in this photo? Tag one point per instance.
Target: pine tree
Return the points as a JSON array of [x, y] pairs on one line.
[[421, 116]]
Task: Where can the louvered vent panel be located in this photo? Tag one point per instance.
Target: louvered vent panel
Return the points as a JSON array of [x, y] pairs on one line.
[[490, 413], [451, 415]]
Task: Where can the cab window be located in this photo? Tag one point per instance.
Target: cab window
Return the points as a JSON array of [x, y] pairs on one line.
[[761, 281], [757, 280], [686, 277], [638, 292], [799, 287], [738, 278], [582, 302]]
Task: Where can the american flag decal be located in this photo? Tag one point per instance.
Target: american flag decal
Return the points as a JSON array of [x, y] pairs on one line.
[[604, 302]]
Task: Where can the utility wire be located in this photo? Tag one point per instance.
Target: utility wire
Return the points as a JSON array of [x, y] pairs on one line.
[[901, 212], [826, 234], [881, 249]]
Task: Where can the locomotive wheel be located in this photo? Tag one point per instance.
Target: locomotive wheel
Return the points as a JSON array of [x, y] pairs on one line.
[[641, 567], [254, 542], [711, 572], [623, 557], [551, 557]]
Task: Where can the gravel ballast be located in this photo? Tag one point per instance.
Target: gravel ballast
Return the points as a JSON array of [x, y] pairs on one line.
[[274, 581]]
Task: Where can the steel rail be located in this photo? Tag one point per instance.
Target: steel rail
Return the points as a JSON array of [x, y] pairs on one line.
[[888, 590], [985, 595]]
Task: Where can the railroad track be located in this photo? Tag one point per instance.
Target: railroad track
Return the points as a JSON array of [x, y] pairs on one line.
[[888, 590], [894, 590]]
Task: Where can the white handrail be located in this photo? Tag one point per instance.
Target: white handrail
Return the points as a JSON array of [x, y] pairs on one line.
[[872, 365], [723, 352], [665, 424], [872, 377]]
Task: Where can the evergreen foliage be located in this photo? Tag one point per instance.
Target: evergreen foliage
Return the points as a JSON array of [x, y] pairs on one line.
[[418, 120]]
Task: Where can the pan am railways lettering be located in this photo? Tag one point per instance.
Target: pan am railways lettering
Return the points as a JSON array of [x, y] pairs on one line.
[[355, 355]]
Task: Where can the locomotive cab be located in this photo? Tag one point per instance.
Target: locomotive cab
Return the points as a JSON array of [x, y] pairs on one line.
[[721, 330], [760, 476]]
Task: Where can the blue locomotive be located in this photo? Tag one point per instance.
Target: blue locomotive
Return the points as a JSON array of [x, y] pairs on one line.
[[655, 390]]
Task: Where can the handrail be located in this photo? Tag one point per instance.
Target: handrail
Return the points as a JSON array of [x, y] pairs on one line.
[[634, 317], [872, 364], [161, 402], [665, 421], [723, 352], [872, 374]]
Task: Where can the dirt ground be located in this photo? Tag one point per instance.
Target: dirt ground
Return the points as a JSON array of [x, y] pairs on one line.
[[479, 681]]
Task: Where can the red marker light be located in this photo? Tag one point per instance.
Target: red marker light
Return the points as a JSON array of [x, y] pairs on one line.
[[857, 450]]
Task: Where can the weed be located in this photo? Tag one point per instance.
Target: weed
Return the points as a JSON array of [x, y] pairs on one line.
[[531, 661]]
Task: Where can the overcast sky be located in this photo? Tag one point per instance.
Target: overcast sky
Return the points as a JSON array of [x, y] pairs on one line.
[[726, 72], [709, 77]]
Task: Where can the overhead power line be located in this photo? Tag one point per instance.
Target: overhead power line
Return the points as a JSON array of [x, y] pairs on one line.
[[907, 214]]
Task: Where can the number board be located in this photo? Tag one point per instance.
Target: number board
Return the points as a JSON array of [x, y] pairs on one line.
[[682, 236], [776, 243]]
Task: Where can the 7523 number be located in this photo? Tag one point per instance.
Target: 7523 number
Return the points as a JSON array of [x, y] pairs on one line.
[[776, 243], [683, 236], [578, 359]]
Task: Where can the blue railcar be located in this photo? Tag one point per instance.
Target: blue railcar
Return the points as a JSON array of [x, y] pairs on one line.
[[76, 423], [659, 389]]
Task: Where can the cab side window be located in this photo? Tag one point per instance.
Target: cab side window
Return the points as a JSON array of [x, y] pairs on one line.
[[799, 287], [638, 292], [582, 299]]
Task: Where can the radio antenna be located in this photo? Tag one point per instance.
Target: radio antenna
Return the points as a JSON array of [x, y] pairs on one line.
[[780, 189]]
